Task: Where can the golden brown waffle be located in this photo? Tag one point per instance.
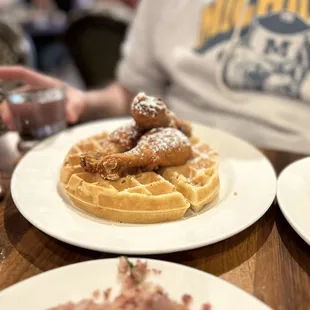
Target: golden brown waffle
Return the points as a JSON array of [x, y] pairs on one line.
[[144, 198], [198, 179]]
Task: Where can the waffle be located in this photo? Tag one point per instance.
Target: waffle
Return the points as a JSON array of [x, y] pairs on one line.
[[198, 179], [145, 198]]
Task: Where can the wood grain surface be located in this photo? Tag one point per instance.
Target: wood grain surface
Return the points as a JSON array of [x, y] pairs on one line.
[[268, 260]]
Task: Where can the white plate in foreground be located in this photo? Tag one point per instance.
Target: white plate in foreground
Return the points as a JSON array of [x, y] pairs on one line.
[[294, 196], [248, 187], [79, 281]]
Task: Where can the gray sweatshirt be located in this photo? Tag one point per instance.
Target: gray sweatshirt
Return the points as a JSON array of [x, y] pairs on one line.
[[238, 65]]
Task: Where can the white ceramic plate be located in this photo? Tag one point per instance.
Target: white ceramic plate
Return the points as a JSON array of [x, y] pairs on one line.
[[294, 196], [78, 281], [248, 187]]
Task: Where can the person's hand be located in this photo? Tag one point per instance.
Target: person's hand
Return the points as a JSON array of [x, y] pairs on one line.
[[75, 103]]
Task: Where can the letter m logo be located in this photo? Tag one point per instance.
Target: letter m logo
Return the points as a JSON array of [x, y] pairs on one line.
[[279, 48]]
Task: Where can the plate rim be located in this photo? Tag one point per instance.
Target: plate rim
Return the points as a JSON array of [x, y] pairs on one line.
[[282, 207], [149, 261], [175, 249]]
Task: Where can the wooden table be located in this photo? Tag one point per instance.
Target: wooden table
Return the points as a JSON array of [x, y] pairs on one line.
[[269, 260]]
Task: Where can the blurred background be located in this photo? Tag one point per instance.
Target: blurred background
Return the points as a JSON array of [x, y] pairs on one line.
[[77, 41]]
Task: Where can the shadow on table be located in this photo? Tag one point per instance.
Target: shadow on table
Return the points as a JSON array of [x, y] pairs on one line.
[[226, 255], [38, 248], [13, 223], [295, 245], [47, 253], [281, 160]]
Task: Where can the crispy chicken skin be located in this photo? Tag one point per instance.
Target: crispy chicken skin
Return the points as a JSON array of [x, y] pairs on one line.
[[161, 147], [151, 112], [148, 113], [120, 140]]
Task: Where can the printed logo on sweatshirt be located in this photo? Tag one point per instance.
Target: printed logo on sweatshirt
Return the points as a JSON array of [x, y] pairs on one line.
[[272, 51]]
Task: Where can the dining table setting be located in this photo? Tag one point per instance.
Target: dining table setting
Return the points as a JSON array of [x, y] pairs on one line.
[[254, 237]]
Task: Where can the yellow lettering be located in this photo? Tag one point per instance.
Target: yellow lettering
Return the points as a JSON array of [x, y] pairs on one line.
[[292, 6], [206, 24], [218, 11], [248, 17], [269, 5], [239, 4], [232, 16], [248, 14], [303, 9], [211, 20], [226, 20]]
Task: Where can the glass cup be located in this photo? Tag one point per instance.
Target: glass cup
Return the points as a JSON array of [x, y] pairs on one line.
[[37, 113]]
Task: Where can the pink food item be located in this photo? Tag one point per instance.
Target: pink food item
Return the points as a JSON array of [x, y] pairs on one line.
[[136, 293]]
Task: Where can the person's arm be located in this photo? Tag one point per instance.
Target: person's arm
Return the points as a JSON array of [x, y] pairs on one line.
[[137, 71], [113, 100]]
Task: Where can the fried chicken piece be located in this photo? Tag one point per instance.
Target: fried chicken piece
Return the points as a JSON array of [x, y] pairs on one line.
[[151, 112], [120, 140], [126, 137], [148, 113], [158, 148]]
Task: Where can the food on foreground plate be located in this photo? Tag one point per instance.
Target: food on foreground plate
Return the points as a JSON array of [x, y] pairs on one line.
[[136, 293], [152, 177]]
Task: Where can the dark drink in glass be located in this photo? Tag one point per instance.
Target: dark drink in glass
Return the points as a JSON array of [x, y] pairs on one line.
[[37, 113]]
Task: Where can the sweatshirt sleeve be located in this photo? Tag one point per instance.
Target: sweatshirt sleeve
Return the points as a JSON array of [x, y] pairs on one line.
[[138, 69]]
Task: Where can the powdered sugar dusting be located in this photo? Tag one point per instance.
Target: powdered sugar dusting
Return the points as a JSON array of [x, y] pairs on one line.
[[126, 135], [163, 139], [148, 106]]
